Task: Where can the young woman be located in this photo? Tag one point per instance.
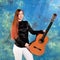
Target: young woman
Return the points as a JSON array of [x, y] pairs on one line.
[[19, 33]]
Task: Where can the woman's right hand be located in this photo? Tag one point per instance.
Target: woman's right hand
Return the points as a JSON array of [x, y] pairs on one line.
[[27, 45]]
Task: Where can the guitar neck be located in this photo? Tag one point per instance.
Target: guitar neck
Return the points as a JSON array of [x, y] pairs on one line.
[[47, 30], [49, 26]]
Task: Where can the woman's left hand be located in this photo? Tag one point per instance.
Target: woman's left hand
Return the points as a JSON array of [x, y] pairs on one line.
[[44, 30]]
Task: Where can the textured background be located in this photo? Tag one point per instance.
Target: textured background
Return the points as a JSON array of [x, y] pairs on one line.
[[38, 13]]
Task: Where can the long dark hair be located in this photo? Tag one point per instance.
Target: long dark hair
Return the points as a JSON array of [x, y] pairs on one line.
[[14, 28]]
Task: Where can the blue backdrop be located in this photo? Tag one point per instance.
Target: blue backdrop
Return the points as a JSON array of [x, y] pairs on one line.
[[38, 13]]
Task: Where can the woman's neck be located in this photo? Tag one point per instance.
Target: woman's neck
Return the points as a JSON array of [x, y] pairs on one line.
[[19, 20]]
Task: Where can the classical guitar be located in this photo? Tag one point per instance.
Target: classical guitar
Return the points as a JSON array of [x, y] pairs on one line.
[[38, 46]]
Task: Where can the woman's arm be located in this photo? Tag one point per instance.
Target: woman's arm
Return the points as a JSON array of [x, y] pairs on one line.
[[34, 32]]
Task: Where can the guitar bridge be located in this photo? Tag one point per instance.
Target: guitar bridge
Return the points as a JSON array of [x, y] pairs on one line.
[[37, 48]]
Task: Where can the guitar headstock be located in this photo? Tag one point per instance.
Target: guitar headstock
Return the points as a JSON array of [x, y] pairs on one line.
[[53, 17]]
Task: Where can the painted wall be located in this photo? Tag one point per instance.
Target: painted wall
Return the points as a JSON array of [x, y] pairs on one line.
[[38, 13]]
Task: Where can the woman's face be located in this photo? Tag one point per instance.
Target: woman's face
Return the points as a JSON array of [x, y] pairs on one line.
[[20, 16]]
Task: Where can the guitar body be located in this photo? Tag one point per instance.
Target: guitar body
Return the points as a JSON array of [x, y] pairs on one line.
[[38, 48]]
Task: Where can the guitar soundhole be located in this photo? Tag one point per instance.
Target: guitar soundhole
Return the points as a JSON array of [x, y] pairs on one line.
[[37, 48], [41, 41]]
